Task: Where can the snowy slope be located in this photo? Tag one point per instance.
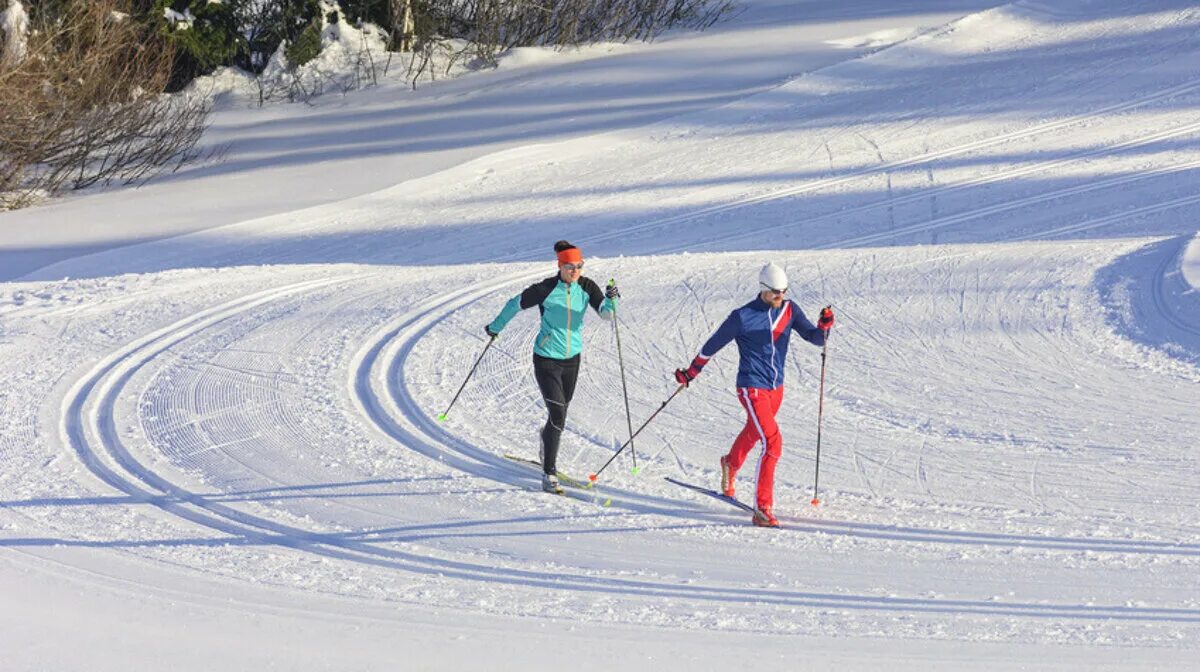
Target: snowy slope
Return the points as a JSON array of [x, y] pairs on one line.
[[237, 427], [281, 159], [1191, 263]]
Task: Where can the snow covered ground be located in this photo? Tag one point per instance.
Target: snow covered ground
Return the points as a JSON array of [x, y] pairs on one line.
[[218, 393]]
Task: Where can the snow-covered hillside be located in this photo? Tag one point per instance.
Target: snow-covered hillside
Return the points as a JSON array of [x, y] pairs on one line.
[[219, 443]]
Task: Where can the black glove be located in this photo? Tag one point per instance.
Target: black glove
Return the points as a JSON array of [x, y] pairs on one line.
[[611, 291], [487, 328], [684, 376]]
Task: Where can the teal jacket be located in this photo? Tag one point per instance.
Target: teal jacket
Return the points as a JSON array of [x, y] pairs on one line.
[[562, 306]]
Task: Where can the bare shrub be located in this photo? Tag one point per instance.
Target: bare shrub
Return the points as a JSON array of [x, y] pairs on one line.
[[450, 32], [85, 105], [428, 39], [495, 26]]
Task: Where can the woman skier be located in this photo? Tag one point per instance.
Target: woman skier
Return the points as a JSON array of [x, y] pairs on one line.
[[761, 329], [562, 300]]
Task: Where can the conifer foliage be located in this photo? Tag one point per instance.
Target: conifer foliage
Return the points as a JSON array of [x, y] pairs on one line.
[[205, 36]]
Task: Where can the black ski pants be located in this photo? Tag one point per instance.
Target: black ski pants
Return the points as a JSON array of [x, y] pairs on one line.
[[556, 379]]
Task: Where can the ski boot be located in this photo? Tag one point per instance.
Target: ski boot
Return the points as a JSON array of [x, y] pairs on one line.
[[765, 518], [727, 476], [550, 484]]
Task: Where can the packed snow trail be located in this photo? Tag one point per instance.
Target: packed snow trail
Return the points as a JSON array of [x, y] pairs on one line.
[[999, 211], [367, 532]]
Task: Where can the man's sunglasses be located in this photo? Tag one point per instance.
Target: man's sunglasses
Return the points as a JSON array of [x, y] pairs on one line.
[[570, 268], [776, 292]]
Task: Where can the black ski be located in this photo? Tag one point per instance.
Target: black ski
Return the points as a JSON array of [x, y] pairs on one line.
[[714, 494]]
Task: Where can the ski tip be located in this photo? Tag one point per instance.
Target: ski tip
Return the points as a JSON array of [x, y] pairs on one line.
[[608, 502], [815, 502]]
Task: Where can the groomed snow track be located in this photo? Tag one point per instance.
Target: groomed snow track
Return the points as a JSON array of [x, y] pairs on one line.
[[90, 429], [997, 210]]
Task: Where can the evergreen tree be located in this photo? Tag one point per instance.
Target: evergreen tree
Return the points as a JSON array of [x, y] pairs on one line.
[[268, 23], [206, 35]]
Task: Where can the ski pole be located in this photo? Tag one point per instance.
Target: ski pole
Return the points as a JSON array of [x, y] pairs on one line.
[[624, 388], [442, 417], [820, 415], [593, 477]]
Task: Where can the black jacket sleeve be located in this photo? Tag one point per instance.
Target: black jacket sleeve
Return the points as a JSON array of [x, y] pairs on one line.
[[595, 294], [536, 293]]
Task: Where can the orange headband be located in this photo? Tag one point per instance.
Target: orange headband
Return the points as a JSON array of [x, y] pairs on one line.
[[570, 255]]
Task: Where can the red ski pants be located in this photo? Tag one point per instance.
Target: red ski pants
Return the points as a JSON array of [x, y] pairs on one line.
[[761, 407]]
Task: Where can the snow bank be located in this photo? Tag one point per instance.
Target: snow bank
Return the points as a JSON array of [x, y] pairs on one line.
[[353, 57], [876, 40], [1191, 263], [520, 57], [350, 58]]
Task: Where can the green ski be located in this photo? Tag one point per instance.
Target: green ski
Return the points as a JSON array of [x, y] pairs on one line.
[[562, 478]]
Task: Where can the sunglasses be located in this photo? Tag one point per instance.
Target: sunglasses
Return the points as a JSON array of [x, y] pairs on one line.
[[776, 292], [572, 267]]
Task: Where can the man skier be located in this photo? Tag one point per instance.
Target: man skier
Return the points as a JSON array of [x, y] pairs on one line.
[[761, 329], [563, 300]]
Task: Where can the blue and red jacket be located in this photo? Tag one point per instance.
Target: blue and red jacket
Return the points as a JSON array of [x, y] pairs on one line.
[[762, 334]]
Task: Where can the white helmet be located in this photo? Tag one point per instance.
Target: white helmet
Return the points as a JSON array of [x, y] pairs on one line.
[[773, 277]]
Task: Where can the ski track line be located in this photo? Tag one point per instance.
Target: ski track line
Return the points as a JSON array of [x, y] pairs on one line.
[[404, 404], [112, 374], [928, 158], [1159, 290], [1034, 488], [862, 474], [1093, 224], [109, 377], [103, 385], [398, 415], [242, 403], [1017, 204], [921, 475], [1051, 86]]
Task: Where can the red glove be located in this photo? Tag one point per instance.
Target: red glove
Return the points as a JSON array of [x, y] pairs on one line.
[[685, 376], [826, 321]]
